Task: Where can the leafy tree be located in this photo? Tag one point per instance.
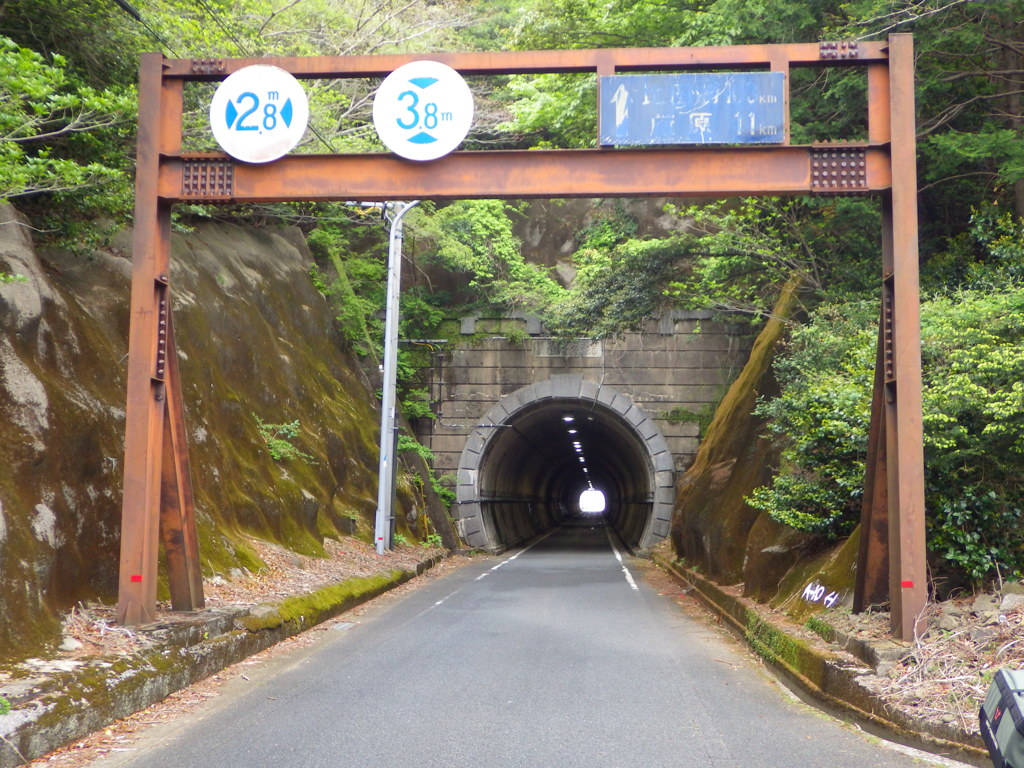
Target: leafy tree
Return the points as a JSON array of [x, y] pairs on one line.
[[475, 238], [742, 254], [973, 352], [96, 39], [58, 134], [617, 288], [970, 66]]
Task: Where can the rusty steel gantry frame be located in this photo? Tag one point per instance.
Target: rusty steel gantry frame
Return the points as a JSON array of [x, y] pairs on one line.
[[157, 502]]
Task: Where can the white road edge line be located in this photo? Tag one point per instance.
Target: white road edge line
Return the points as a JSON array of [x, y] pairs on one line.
[[618, 556]]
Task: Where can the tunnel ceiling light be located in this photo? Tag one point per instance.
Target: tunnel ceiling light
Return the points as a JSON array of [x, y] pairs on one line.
[[583, 460], [568, 417], [573, 431]]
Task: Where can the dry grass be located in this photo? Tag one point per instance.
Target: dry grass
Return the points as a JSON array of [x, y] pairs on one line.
[[284, 575], [947, 673]]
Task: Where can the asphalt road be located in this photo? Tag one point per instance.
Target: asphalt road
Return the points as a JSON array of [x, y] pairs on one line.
[[557, 656]]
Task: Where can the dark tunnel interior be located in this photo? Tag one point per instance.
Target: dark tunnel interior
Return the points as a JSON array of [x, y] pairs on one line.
[[536, 465]]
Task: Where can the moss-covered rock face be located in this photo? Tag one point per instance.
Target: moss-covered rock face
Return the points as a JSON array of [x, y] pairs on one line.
[[713, 527], [254, 337], [712, 521]]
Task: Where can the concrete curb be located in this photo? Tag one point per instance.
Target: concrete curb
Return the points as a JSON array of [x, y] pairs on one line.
[[843, 681], [69, 705]]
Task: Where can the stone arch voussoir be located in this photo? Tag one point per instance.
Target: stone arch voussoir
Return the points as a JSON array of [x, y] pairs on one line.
[[472, 521]]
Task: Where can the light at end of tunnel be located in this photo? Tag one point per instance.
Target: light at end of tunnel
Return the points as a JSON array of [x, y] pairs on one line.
[[592, 501]]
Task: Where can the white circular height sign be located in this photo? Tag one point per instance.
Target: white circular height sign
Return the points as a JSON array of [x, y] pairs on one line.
[[423, 110], [259, 113]]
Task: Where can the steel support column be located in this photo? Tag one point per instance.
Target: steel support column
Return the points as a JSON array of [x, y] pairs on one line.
[[872, 582], [156, 463], [892, 520], [908, 589]]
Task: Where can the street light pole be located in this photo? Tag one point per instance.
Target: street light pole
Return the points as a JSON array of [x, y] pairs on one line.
[[393, 212]]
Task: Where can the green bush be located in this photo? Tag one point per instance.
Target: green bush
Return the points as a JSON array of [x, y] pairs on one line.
[[278, 438], [973, 411], [407, 444], [822, 417], [973, 352]]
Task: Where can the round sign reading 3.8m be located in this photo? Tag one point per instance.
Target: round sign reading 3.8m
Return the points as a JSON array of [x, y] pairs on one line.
[[423, 110], [259, 113]]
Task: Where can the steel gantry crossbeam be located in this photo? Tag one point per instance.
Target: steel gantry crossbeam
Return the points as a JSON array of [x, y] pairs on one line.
[[157, 501]]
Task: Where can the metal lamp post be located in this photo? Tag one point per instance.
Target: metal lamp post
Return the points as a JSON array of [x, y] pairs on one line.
[[394, 213]]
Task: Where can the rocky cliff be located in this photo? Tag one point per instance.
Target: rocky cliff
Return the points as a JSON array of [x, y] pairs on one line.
[[256, 342], [716, 531]]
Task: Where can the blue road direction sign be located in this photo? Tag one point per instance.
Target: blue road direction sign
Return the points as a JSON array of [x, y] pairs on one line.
[[693, 108]]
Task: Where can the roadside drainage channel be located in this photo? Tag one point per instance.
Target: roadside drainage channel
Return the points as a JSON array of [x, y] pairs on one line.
[[844, 682], [62, 705]]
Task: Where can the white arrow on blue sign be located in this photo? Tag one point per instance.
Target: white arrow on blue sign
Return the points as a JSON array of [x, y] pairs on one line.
[[693, 108]]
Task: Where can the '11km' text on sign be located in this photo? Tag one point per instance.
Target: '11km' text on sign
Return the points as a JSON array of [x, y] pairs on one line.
[[694, 108]]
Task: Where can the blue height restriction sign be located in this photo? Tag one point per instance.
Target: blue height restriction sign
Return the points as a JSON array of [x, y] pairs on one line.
[[259, 113], [423, 110], [693, 108]]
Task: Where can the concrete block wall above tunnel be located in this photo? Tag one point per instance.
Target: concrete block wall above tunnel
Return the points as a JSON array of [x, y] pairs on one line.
[[522, 469]]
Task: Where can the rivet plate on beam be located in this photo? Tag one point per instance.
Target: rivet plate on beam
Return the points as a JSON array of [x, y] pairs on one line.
[[208, 66], [839, 50], [839, 170], [888, 317], [208, 178], [161, 333]]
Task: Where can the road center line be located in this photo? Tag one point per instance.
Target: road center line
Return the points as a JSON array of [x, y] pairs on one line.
[[496, 567]]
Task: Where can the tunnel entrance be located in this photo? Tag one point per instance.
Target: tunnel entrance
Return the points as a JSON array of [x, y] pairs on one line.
[[525, 468]]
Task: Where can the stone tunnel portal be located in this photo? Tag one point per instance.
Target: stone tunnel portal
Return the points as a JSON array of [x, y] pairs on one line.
[[538, 449]]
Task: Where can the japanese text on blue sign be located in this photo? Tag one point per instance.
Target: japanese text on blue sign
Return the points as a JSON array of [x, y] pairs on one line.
[[693, 108]]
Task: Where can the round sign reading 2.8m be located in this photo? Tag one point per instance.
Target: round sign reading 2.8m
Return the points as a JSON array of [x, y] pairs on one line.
[[423, 110], [259, 113]]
